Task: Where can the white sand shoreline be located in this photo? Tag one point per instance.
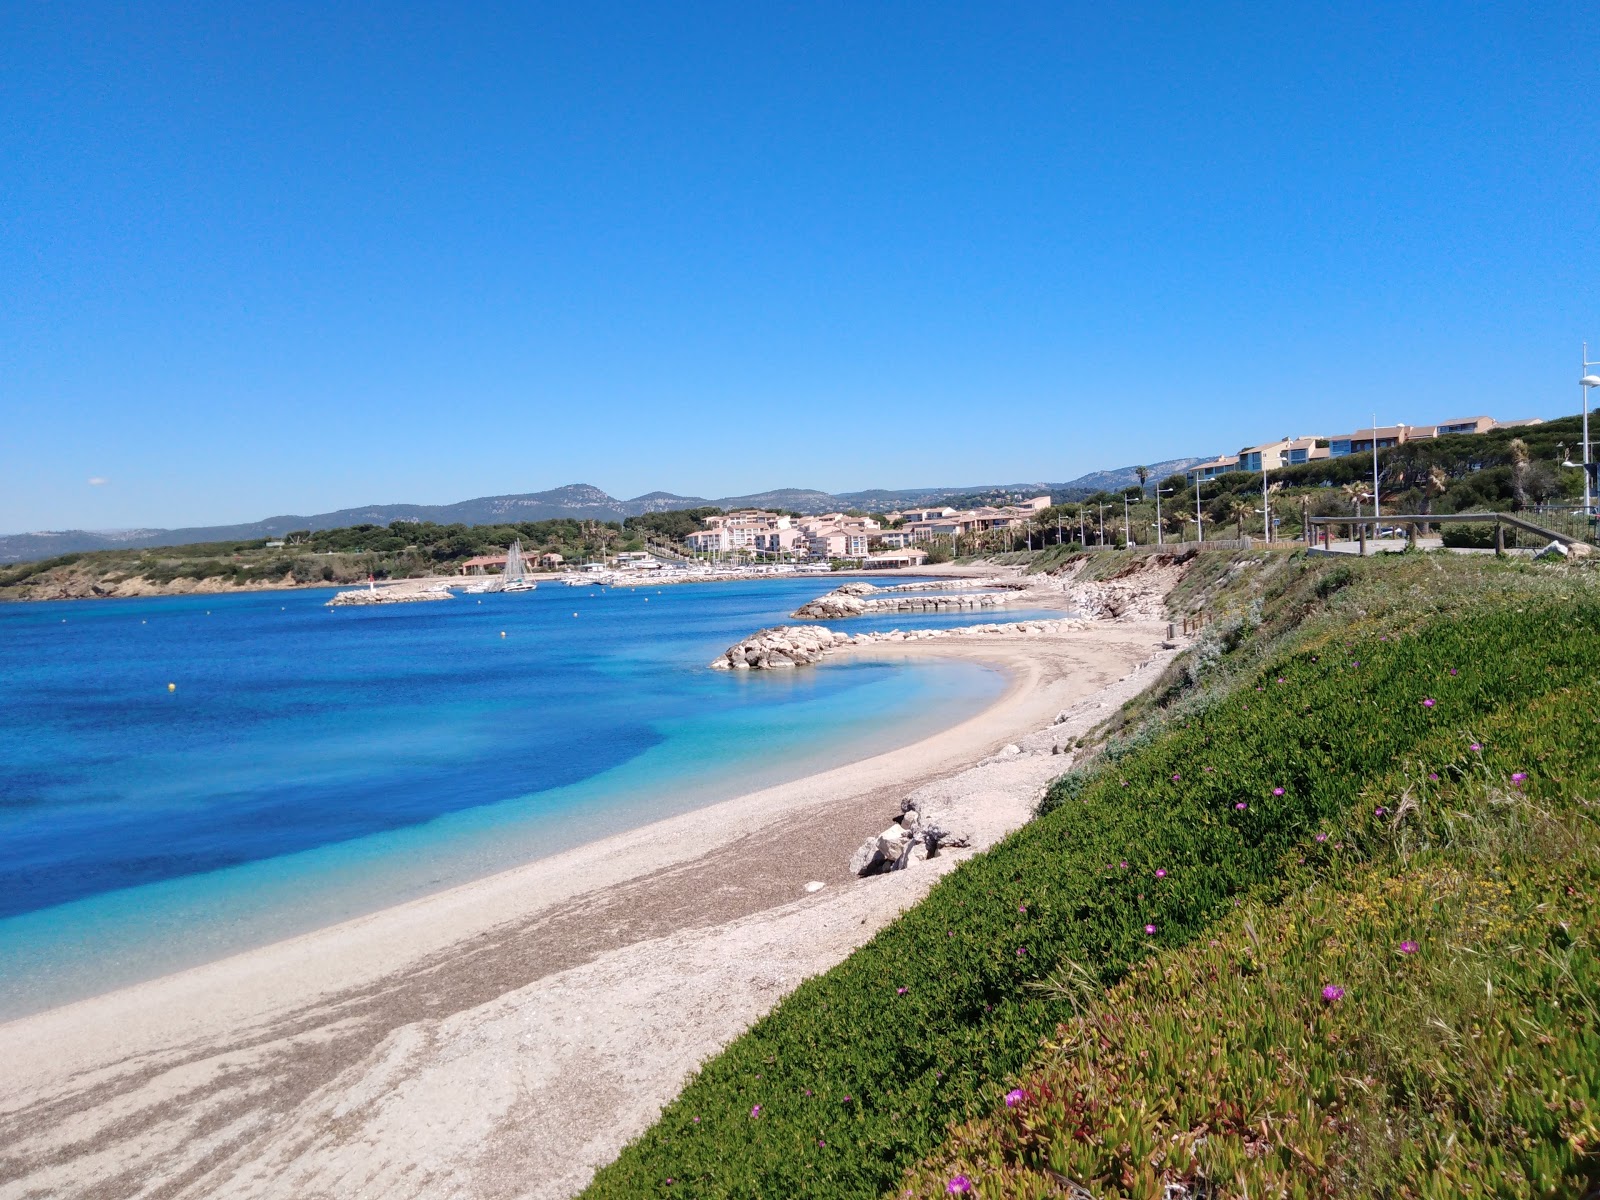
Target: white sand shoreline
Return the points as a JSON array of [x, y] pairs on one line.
[[439, 1047]]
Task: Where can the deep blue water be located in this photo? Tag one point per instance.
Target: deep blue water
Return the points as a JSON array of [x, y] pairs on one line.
[[314, 763]]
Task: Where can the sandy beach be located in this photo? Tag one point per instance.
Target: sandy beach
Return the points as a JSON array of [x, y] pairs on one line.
[[506, 1037]]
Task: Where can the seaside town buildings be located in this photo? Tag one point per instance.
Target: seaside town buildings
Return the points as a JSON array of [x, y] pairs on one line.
[[893, 541], [1269, 456]]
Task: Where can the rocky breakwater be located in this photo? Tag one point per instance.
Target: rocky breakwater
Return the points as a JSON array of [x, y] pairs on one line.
[[387, 595], [785, 646], [779, 648], [840, 604], [914, 836]]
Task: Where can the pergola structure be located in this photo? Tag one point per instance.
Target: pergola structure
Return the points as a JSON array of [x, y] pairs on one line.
[[1412, 520]]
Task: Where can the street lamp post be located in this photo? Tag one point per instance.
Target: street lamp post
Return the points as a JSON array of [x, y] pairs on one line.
[[1586, 382], [1127, 529], [1198, 527], [1159, 492], [1101, 532], [1266, 505]]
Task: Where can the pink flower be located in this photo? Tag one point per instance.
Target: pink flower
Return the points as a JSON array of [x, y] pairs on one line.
[[1175, 778], [1022, 908], [1380, 811], [1149, 928], [1015, 1097], [1474, 747], [1277, 791], [1452, 670], [1408, 947], [1241, 806], [959, 1186], [755, 1111], [1322, 837], [1433, 776], [900, 991], [1518, 776], [1161, 872], [1123, 865], [1280, 678], [1428, 703], [1333, 993], [1022, 951]]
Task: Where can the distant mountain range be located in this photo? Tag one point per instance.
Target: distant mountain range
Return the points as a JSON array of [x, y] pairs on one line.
[[578, 500]]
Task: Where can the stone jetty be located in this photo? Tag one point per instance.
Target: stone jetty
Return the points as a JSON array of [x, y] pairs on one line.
[[840, 604], [386, 595], [784, 646]]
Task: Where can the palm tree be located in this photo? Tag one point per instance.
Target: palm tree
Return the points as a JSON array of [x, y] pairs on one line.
[[1238, 510], [1434, 484], [1357, 493], [1518, 450], [1143, 473]]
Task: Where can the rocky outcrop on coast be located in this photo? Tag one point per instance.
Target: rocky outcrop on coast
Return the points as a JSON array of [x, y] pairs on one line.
[[67, 584], [779, 648], [915, 836]]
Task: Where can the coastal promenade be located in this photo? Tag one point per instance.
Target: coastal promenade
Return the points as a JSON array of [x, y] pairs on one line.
[[506, 1037]]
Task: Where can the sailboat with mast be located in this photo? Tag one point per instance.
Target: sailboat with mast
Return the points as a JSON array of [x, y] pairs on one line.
[[515, 576]]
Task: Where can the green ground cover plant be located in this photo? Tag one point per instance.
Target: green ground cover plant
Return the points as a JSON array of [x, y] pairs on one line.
[[855, 1076], [1418, 1019]]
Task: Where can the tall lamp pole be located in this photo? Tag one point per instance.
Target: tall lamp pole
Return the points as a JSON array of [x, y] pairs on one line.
[[1127, 529], [1266, 507], [1159, 541], [1584, 384], [1199, 534], [1375, 512]]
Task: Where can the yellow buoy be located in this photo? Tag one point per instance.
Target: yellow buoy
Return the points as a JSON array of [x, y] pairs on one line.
[[502, 633], [172, 687]]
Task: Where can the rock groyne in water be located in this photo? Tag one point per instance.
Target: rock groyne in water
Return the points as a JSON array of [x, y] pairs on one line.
[[388, 595], [839, 604], [785, 646]]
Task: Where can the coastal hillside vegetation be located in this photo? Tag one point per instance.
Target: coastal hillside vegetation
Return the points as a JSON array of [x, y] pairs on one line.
[[1317, 918], [402, 549]]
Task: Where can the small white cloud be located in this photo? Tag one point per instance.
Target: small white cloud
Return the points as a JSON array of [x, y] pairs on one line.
[[98, 481]]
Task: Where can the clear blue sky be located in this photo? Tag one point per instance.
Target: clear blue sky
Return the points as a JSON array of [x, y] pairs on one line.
[[258, 259]]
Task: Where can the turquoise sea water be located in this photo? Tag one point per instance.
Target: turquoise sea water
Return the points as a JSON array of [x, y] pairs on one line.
[[313, 764]]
